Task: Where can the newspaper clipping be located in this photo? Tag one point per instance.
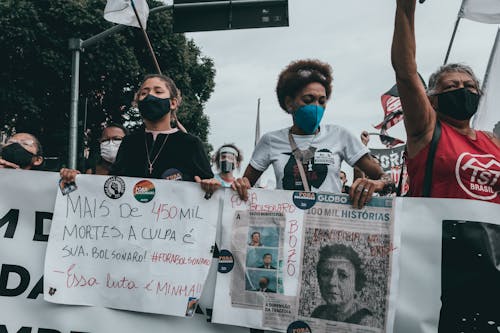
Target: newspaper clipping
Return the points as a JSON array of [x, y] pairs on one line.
[[329, 267], [345, 270]]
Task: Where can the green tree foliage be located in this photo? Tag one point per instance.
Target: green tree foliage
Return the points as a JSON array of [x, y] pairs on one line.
[[35, 79]]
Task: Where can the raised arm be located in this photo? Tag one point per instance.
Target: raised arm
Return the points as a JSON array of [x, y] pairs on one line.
[[419, 116]]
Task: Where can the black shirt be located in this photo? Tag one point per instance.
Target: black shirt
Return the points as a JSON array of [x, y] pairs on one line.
[[173, 156]]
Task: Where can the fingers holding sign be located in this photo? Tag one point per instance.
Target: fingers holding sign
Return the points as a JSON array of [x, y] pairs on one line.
[[68, 175], [241, 185], [8, 165], [362, 191], [208, 185]]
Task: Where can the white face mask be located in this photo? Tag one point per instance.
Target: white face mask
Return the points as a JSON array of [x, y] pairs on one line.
[[109, 149]]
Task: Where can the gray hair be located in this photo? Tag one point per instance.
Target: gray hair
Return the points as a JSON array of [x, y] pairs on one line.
[[456, 67]]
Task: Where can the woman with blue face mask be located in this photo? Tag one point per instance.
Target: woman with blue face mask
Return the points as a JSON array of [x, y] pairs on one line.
[[308, 155]]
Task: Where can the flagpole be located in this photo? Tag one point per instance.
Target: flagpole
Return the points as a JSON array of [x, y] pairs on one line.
[[257, 124], [257, 137], [488, 68], [146, 37], [452, 39]]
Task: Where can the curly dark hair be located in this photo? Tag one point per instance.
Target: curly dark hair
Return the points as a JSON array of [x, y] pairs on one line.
[[339, 250], [216, 157], [299, 74]]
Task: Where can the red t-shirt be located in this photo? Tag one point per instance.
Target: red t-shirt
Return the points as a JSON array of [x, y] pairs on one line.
[[463, 168]]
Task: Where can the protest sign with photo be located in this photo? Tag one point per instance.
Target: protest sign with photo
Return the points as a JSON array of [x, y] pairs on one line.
[[301, 256]]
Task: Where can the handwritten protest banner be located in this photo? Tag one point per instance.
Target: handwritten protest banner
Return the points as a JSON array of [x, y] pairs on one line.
[[125, 243], [306, 261]]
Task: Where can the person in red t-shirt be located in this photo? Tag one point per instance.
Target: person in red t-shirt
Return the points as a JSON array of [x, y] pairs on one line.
[[467, 161]]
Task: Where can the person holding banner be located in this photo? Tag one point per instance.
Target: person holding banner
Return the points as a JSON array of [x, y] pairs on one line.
[[307, 156], [160, 151], [446, 157], [109, 143], [227, 158], [22, 151]]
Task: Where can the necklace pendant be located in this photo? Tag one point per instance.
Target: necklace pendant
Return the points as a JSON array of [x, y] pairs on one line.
[[150, 169], [309, 166]]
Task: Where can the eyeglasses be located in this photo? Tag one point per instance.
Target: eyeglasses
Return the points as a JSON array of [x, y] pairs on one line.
[[113, 140], [25, 143]]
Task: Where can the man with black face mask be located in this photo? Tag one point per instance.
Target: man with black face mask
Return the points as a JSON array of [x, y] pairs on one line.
[[22, 151], [446, 157]]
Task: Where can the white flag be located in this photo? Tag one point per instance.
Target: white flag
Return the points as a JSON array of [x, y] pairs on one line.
[[486, 11], [488, 114], [121, 12]]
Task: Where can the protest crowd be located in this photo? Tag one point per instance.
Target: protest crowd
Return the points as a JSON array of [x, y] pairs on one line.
[[444, 157]]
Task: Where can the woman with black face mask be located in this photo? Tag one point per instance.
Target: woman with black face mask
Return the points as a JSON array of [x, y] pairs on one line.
[[22, 151], [160, 151], [446, 157]]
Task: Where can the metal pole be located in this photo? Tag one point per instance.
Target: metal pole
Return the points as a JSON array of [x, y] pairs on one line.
[[75, 45], [146, 37], [494, 50], [451, 41]]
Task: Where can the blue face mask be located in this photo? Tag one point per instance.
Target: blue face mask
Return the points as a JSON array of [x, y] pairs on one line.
[[308, 117]]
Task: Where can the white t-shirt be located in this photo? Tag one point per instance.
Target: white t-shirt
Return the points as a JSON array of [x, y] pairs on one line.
[[333, 144]]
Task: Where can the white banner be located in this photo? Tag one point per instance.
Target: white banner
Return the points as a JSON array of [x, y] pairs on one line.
[[449, 266], [126, 243], [488, 114], [485, 11], [299, 260], [27, 201]]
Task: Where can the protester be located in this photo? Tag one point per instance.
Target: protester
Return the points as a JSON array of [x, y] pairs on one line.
[[340, 276], [22, 151], [303, 90], [227, 158], [109, 143], [160, 151], [467, 161]]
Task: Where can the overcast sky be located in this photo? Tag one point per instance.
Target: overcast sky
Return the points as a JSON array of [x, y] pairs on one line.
[[354, 36]]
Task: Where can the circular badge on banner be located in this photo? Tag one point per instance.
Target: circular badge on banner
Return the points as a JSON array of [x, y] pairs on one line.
[[114, 187], [144, 191], [226, 261], [304, 200], [298, 326]]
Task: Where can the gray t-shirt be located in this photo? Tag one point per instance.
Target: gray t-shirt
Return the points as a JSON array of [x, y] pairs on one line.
[[333, 144]]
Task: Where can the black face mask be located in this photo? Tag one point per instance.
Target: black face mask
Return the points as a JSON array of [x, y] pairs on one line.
[[459, 104], [15, 153], [154, 108], [226, 166]]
